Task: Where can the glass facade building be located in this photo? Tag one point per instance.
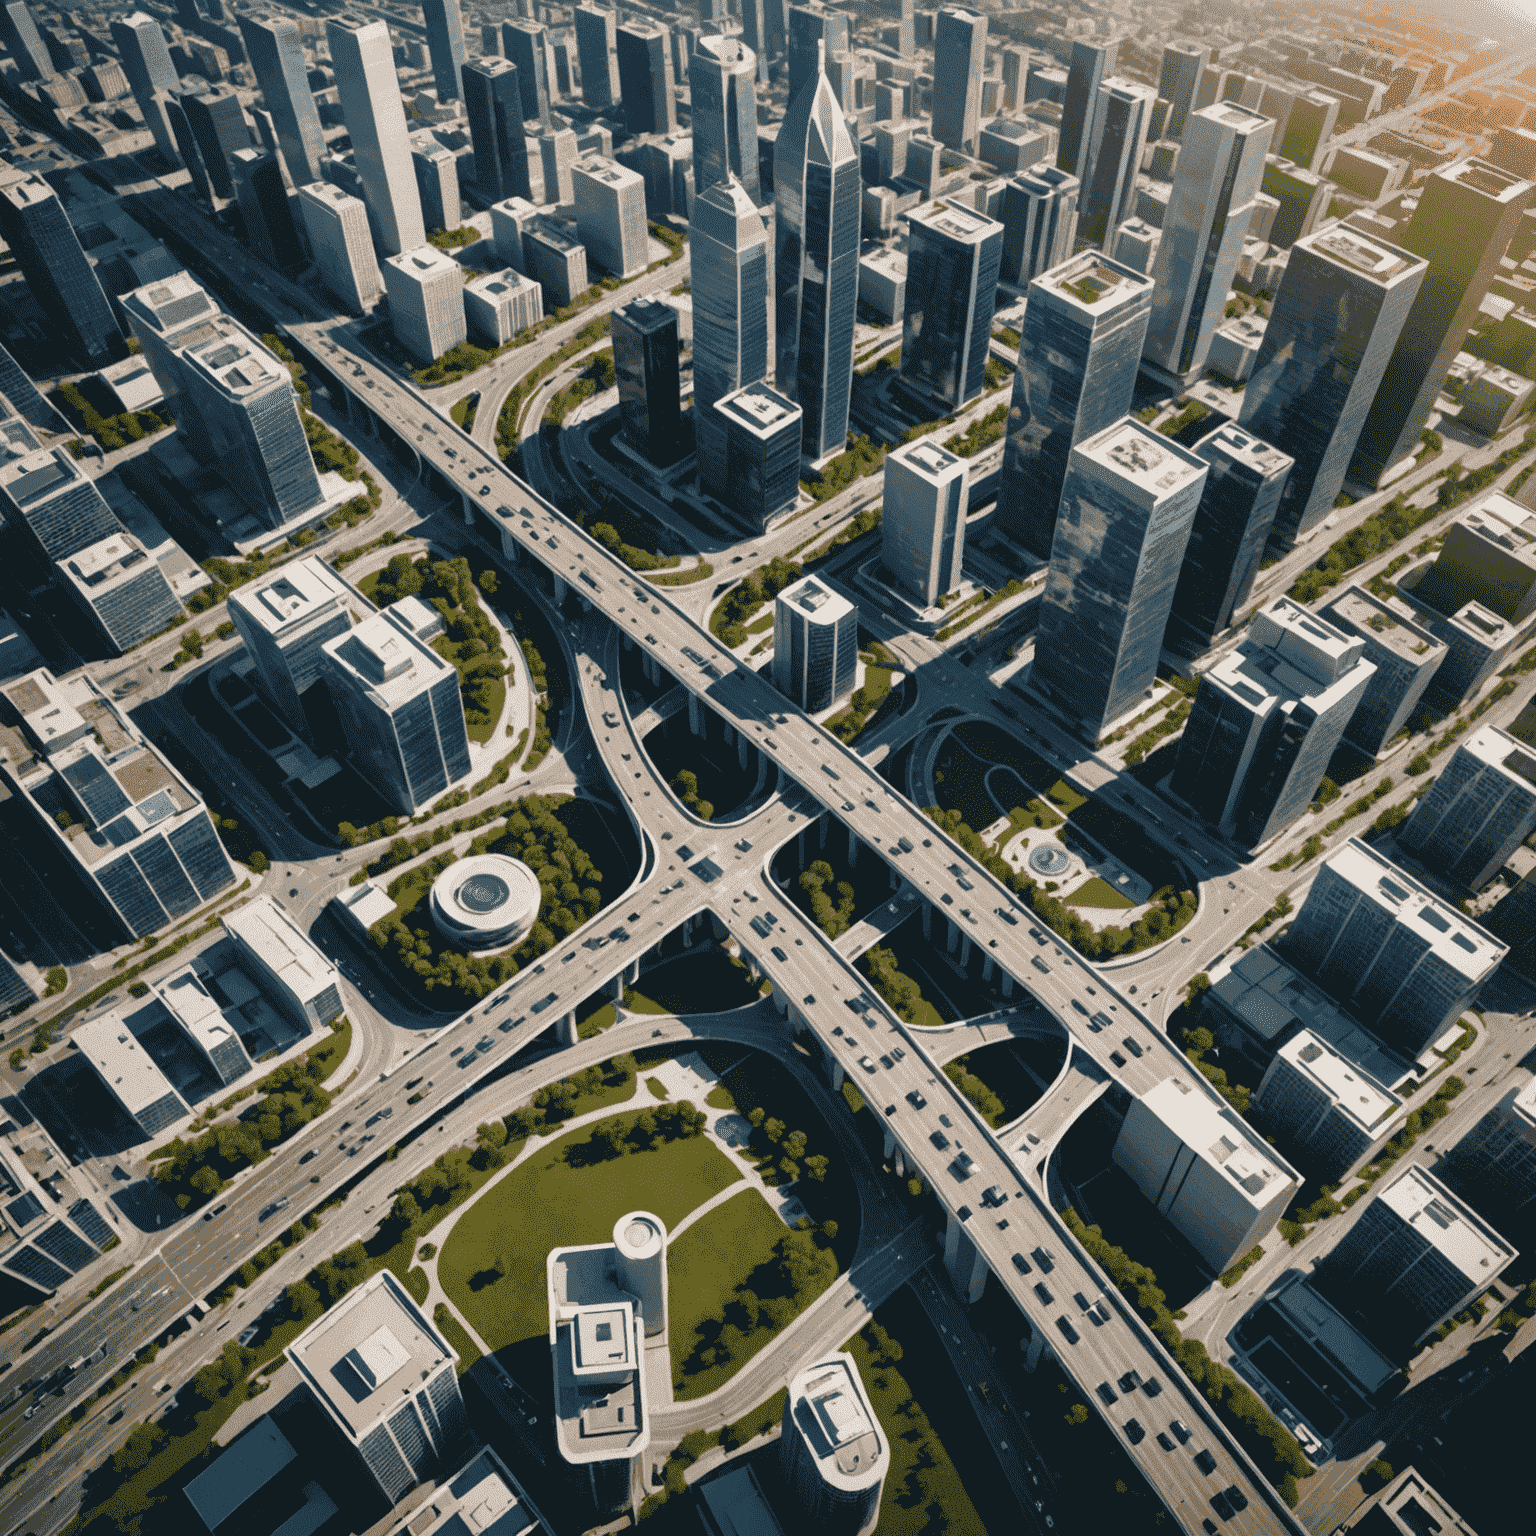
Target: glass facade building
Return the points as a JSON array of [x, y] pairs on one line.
[[597, 51], [269, 225], [959, 62], [808, 25], [1039, 216], [645, 79], [275, 48], [1112, 155], [645, 359], [1092, 64], [1335, 321], [337, 224], [1179, 81], [445, 44], [762, 454], [493, 103], [953, 256], [1079, 354], [922, 531], [152, 76], [610, 217], [1126, 510], [817, 193], [721, 76], [815, 644], [217, 121], [523, 42]]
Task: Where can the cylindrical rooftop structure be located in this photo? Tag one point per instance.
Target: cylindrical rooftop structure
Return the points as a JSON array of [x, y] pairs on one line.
[[487, 902], [640, 1241]]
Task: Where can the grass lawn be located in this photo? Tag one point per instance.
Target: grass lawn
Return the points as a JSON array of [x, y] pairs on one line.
[[547, 1204], [1099, 893], [493, 701], [595, 1022], [1066, 797], [705, 1268], [655, 1085], [709, 982]]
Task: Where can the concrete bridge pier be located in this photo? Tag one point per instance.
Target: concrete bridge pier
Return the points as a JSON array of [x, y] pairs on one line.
[[565, 1030], [837, 1076], [632, 973], [617, 983], [965, 951], [800, 847], [721, 932], [966, 1266], [853, 848], [469, 509], [823, 825], [927, 921], [780, 1000], [559, 589], [741, 751], [987, 967], [1007, 985], [951, 937], [511, 554], [895, 876], [1033, 1347], [695, 715], [687, 932]]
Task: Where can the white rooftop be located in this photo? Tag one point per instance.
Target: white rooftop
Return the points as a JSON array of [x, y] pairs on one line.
[[929, 458], [1219, 1139], [184, 994], [424, 263], [758, 408], [269, 933], [233, 363], [829, 1408], [1422, 1202], [1358, 252], [1499, 750], [1359, 1098], [482, 1499], [386, 660], [1136, 457], [816, 599], [365, 904], [291, 597], [963, 224], [127, 1068], [1090, 282]]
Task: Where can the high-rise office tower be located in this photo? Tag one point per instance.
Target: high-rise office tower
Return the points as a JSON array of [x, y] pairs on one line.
[[269, 225], [1183, 65], [1303, 196], [164, 316], [1126, 509], [285, 620], [1406, 657], [1480, 809], [445, 42], [817, 190], [437, 184], [275, 48], [25, 398], [426, 301], [1016, 61], [645, 359], [244, 399], [1308, 128], [61, 279], [18, 31], [721, 86], [510, 221], [1078, 357], [151, 75], [1415, 1256], [1092, 64], [49, 498], [337, 225], [959, 62], [1403, 961], [1266, 720], [1112, 155], [387, 1380], [1495, 1162], [808, 26], [610, 218], [762, 454], [732, 345], [1226, 541], [1221, 167], [953, 256], [369, 93], [1488, 556], [1039, 216], [493, 103], [597, 50], [1335, 321], [1462, 226], [217, 121], [557, 158], [815, 644], [922, 533], [645, 79], [397, 702], [832, 1454], [524, 43], [557, 258], [140, 838]]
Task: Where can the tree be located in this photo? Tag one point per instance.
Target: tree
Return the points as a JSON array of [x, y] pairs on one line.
[[405, 1209], [206, 1182], [816, 1168], [489, 582], [794, 1145], [773, 1130], [1076, 1414], [259, 863], [142, 1443], [301, 1299]]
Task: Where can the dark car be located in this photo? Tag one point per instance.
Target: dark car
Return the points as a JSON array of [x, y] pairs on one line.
[[1021, 1264], [1206, 1462], [308, 1156], [1045, 1296], [1134, 1432], [1151, 1386], [1068, 1331], [916, 1100], [1044, 1260], [1108, 1393], [1130, 1381]]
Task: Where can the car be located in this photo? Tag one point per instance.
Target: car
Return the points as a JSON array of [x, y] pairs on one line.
[[610, 719], [1108, 1393], [506, 1026], [1131, 1046], [890, 1109], [947, 899], [946, 1122], [1236, 1498], [1222, 1505], [1040, 965], [1069, 1333], [896, 1050], [866, 1063], [1043, 1293], [309, 1156], [1007, 916], [963, 1164], [1152, 1386], [1080, 1006], [1134, 1432], [1208, 1526], [1163, 1440], [994, 1195], [810, 997], [1117, 1058], [1082, 1301], [964, 1213], [247, 1334], [916, 1100], [1021, 1264], [218, 1210], [940, 1140], [454, 1052], [1206, 1462], [1044, 1260], [1101, 1314], [1181, 1431], [887, 1062], [1130, 1381], [280, 1204], [1100, 1020]]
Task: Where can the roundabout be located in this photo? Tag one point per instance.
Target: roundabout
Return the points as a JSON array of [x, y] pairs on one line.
[[487, 902]]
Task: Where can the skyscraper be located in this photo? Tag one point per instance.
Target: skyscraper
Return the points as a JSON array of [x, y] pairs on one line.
[[720, 81], [728, 258], [426, 301], [523, 42], [817, 189], [815, 644], [217, 121], [445, 42], [275, 48], [1183, 64], [1078, 356], [337, 225], [437, 184], [18, 31], [762, 454], [1403, 961], [493, 103], [1480, 809], [151, 75], [1221, 167], [809, 25], [645, 359], [922, 532], [1226, 541], [164, 316], [1303, 197], [952, 263], [397, 702], [55, 504], [959, 62], [557, 158], [1335, 321], [1308, 128], [1466, 215], [1112, 154], [610, 218], [61, 279], [645, 79], [1266, 720], [1126, 509], [1039, 216], [832, 1454], [369, 93], [597, 50], [1092, 64], [269, 224]]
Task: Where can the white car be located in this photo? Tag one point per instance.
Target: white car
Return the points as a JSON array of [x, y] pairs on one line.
[[866, 1063]]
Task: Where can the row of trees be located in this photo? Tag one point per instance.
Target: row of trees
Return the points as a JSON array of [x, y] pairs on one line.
[[814, 880]]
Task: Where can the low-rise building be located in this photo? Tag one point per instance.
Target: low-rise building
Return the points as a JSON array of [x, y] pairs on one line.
[[202, 1023], [481, 1499], [1488, 557], [832, 1453], [500, 304], [1407, 1506], [555, 257], [49, 1229], [426, 301], [1493, 399], [304, 984], [129, 1074], [883, 284]]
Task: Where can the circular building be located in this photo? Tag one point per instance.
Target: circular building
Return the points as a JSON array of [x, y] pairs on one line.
[[486, 902], [1049, 860], [641, 1241]]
